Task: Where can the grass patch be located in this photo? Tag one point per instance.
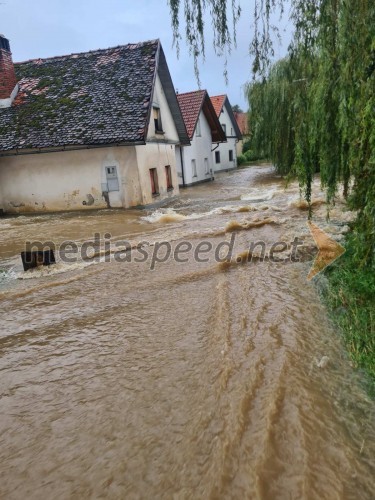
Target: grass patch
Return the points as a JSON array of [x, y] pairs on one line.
[[350, 296]]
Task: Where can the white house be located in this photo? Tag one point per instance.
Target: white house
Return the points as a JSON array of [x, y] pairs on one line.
[[225, 155], [90, 130], [194, 163]]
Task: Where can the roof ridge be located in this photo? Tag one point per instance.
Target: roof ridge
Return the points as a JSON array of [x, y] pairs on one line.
[[191, 104], [93, 52], [192, 92]]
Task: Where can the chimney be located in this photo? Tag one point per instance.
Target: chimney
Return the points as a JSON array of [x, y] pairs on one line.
[[8, 81]]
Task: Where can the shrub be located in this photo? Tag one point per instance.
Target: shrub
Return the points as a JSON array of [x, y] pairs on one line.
[[251, 155], [241, 160], [246, 146]]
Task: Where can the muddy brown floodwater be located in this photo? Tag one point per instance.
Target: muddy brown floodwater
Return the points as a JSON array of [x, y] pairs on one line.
[[190, 381]]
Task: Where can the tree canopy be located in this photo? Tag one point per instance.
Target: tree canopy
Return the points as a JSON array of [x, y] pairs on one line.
[[237, 109]]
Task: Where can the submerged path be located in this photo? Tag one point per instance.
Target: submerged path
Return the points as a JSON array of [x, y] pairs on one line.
[[193, 380]]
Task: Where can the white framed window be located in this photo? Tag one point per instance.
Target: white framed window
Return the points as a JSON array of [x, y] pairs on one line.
[[231, 155], [224, 127], [217, 156], [194, 168]]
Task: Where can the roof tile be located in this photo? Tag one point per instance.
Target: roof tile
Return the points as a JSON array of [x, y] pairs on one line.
[[98, 97], [190, 105], [218, 102]]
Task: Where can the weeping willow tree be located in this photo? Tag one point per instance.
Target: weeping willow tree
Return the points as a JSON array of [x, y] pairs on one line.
[[314, 110], [223, 16]]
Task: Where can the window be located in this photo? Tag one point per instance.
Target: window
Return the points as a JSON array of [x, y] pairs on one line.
[[231, 155], [224, 127], [112, 179], [168, 175], [198, 129], [194, 168], [206, 169], [154, 181], [157, 119], [217, 156], [231, 132]]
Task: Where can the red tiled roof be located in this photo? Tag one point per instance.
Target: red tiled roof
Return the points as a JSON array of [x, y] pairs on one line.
[[241, 119], [191, 104], [218, 102]]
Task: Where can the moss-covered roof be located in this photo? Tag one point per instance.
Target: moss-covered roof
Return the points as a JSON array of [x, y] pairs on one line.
[[93, 98]]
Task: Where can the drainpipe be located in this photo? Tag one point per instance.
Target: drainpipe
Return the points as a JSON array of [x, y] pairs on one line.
[[182, 167]]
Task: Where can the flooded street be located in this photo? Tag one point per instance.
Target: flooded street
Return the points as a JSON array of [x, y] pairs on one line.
[[194, 380]]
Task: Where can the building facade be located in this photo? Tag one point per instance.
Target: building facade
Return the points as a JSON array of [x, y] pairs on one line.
[[90, 130], [194, 163], [225, 154]]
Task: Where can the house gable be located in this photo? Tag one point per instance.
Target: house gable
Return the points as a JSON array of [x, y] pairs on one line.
[[226, 116], [191, 104], [197, 158], [225, 156], [160, 107], [170, 94]]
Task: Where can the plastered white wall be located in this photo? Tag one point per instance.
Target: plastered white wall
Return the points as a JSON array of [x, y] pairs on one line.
[[156, 155], [69, 180], [199, 150], [225, 147], [170, 132]]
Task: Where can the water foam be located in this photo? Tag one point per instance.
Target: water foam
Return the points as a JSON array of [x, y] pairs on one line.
[[256, 196], [45, 271], [164, 216], [169, 215]]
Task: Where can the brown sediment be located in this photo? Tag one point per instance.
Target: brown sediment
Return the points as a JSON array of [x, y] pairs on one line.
[[240, 226], [246, 209], [168, 218], [185, 381], [303, 204]]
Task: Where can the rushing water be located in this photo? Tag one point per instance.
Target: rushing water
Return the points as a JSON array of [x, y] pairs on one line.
[[193, 380]]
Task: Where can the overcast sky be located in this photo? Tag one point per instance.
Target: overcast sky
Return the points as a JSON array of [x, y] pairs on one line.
[[44, 28]]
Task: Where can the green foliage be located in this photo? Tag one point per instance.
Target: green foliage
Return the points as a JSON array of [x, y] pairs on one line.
[[249, 156], [241, 160], [236, 109], [253, 156], [350, 294], [273, 113], [246, 146], [223, 23], [314, 110]]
